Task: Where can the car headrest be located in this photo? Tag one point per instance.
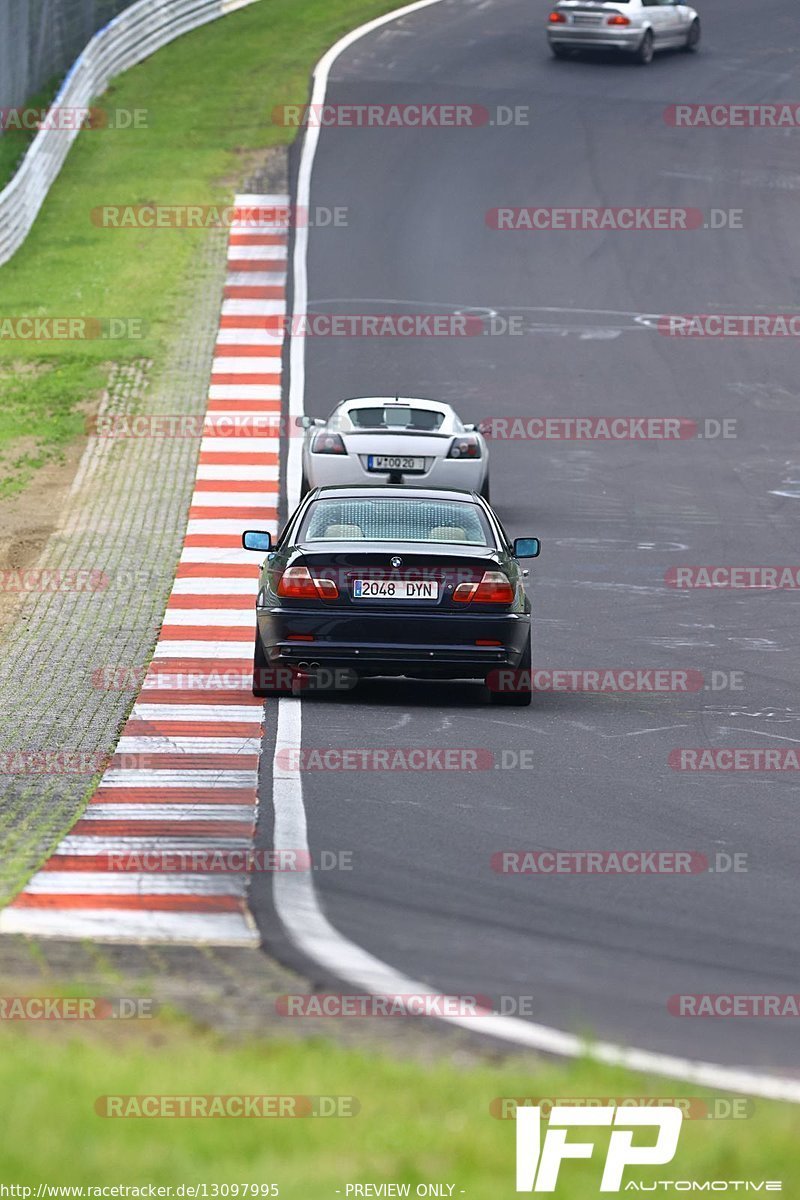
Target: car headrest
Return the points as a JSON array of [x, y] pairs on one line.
[[343, 532], [448, 533]]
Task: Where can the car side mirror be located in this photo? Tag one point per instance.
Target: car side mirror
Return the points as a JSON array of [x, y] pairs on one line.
[[303, 422], [256, 539], [527, 547]]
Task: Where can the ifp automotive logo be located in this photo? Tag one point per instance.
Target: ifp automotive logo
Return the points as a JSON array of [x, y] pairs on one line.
[[539, 1160]]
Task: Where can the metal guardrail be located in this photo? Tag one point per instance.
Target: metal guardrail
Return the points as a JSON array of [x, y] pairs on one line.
[[130, 37]]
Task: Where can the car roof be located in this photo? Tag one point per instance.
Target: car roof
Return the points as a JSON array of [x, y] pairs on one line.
[[400, 401], [370, 490]]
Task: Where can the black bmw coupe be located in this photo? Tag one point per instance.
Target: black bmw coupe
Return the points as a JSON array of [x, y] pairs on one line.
[[376, 580]]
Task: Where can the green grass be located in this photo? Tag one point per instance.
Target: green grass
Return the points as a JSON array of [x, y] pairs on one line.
[[417, 1123], [208, 99]]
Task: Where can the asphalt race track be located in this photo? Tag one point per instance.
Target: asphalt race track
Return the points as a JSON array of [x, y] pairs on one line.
[[596, 954]]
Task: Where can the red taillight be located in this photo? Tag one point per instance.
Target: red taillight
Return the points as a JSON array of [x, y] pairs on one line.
[[494, 588], [328, 443], [297, 584], [618, 20], [465, 447], [557, 18]]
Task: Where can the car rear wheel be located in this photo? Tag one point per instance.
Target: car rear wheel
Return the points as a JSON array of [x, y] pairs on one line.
[[485, 490], [693, 37], [559, 51], [305, 486], [520, 697], [644, 55]]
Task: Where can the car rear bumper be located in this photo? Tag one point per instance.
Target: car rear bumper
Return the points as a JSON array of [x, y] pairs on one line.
[[599, 39], [384, 643], [327, 470]]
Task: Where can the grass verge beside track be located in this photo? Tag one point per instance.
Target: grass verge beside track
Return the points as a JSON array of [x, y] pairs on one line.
[[418, 1123], [208, 100]]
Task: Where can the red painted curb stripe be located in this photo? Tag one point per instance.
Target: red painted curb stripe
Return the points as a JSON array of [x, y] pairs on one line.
[[207, 633], [148, 903], [240, 350], [246, 379], [183, 761], [221, 570], [179, 830], [182, 795], [215, 728], [185, 601]]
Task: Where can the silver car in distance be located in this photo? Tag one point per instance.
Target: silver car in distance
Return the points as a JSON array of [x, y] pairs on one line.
[[396, 441], [639, 27]]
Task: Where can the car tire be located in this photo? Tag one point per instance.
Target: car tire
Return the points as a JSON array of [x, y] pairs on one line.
[[305, 486], [644, 53], [485, 490], [693, 37], [522, 697], [559, 51]]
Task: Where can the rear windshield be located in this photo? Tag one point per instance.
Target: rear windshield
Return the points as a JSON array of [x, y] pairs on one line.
[[396, 417], [396, 520]]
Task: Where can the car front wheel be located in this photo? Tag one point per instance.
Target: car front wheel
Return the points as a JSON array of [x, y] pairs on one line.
[[693, 37]]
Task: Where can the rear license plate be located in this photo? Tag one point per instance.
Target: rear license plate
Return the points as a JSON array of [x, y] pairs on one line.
[[394, 462], [395, 589], [579, 19]]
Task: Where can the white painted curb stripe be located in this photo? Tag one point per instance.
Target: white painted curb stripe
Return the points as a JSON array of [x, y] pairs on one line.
[[197, 712], [201, 779], [169, 812], [133, 883], [140, 925], [210, 650], [211, 616]]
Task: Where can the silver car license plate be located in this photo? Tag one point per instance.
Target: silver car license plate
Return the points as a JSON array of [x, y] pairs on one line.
[[394, 462], [395, 589]]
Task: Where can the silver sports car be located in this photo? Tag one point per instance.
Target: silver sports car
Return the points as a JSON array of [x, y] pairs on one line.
[[375, 439], [639, 27]]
